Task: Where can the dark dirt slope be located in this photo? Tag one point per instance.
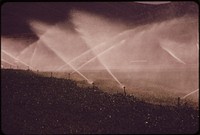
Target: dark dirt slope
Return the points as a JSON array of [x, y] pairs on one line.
[[38, 105]]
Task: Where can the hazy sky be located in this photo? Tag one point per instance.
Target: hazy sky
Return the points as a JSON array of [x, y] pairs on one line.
[[122, 34], [15, 16]]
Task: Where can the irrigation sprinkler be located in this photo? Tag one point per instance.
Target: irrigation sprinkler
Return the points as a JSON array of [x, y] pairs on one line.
[[69, 76], [178, 103], [124, 90], [93, 85]]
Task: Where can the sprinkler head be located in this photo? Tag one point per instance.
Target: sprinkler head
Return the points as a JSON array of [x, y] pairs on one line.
[[122, 86], [90, 82]]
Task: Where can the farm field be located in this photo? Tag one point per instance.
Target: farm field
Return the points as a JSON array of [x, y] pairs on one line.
[[35, 104]]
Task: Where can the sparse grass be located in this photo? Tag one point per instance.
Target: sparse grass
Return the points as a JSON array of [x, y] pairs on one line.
[[33, 104]]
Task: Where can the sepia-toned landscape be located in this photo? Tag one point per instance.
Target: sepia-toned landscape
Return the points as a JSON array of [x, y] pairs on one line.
[[100, 68]]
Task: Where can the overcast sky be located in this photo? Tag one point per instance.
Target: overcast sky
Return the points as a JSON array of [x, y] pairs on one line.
[[15, 16], [122, 33]]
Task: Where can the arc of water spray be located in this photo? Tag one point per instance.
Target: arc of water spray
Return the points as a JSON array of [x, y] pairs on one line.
[[7, 62], [16, 59], [99, 45], [108, 49], [118, 35], [33, 54], [112, 75], [24, 50], [68, 64], [97, 56], [173, 55], [190, 93], [84, 53]]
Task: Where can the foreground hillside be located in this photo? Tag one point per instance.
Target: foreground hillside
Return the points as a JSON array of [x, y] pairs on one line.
[[44, 105]]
